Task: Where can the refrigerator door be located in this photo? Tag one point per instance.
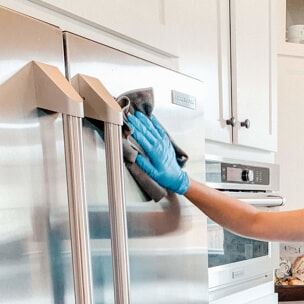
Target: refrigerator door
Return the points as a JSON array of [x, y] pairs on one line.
[[167, 241], [35, 246]]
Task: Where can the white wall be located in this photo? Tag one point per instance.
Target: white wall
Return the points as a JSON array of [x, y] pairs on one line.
[[290, 154], [291, 129]]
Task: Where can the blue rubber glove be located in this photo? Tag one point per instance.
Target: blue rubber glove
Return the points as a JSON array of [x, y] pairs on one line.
[[161, 165]]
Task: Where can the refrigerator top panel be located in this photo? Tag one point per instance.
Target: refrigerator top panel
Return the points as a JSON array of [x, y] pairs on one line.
[[35, 255], [167, 240]]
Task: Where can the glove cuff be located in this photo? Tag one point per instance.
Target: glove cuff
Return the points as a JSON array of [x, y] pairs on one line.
[[184, 184]]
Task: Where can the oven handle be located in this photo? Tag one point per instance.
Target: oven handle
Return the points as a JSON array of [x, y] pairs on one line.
[[269, 200]]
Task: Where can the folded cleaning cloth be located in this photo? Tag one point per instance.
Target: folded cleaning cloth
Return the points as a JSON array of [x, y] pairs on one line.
[[142, 100]]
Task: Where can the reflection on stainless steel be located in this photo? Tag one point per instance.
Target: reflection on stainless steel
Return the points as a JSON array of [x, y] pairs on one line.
[[35, 255], [167, 240]]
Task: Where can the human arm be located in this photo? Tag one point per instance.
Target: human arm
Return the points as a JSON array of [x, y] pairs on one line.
[[245, 219], [230, 213]]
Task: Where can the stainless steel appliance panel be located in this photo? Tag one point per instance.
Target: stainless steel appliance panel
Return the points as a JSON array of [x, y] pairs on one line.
[[167, 240], [35, 254]]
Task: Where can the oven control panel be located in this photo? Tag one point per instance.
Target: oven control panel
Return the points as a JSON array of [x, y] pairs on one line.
[[223, 172], [234, 173]]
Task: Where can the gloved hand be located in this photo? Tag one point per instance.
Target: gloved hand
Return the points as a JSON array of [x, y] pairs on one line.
[[161, 165]]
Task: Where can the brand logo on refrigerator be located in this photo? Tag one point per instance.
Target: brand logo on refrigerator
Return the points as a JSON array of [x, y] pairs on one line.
[[183, 99]]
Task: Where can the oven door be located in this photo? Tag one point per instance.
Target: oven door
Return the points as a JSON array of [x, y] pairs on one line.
[[237, 263]]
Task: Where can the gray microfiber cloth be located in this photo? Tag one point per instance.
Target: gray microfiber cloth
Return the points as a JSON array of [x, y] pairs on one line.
[[142, 100]]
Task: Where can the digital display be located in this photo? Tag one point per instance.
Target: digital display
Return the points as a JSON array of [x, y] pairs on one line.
[[234, 174]]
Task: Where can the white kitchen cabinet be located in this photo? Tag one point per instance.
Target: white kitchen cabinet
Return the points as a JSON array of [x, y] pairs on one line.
[[290, 12], [251, 41], [253, 56], [169, 28], [140, 21], [215, 62]]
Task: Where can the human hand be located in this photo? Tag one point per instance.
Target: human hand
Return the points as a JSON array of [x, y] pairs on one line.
[[161, 164]]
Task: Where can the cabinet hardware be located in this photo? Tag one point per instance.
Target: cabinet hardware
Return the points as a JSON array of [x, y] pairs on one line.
[[231, 122], [245, 123]]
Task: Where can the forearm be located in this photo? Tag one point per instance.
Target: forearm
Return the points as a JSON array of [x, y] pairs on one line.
[[244, 219], [226, 211]]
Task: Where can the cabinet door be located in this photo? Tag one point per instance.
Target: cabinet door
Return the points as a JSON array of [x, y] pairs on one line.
[[215, 58], [142, 22], [254, 73]]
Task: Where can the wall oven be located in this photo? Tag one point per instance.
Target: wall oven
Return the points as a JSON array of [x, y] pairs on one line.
[[236, 263]]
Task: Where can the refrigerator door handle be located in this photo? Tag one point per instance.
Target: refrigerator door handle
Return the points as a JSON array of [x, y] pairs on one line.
[[100, 105], [47, 87], [53, 92], [78, 210]]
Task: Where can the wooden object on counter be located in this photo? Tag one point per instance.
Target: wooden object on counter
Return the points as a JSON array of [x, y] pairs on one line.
[[290, 293]]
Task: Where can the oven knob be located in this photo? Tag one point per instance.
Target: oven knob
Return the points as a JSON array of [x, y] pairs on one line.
[[247, 175]]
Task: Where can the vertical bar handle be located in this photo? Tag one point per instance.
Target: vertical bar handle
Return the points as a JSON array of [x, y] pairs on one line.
[[78, 210], [117, 209], [100, 105]]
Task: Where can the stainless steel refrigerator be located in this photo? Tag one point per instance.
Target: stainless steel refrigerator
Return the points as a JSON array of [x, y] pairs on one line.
[[75, 226]]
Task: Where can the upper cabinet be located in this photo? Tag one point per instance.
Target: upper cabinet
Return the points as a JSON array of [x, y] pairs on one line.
[[251, 74], [135, 19], [155, 25], [290, 27], [253, 70], [215, 67]]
